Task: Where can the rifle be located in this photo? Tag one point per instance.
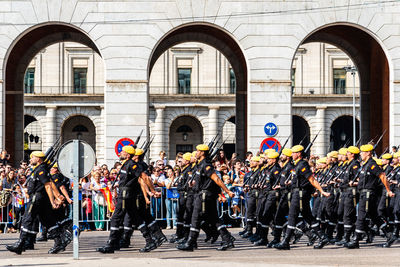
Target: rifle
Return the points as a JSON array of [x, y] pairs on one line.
[[212, 142], [358, 141], [287, 140], [52, 151], [379, 140], [148, 144], [138, 139], [304, 138], [384, 151], [310, 144], [215, 151]]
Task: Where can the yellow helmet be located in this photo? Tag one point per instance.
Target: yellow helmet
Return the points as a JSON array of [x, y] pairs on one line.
[[297, 148], [129, 150], [139, 152], [202, 147], [367, 148], [353, 150], [272, 155], [287, 152], [187, 156], [38, 154], [387, 156], [343, 151]]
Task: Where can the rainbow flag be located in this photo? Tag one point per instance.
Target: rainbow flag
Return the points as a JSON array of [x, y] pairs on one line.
[[108, 197]]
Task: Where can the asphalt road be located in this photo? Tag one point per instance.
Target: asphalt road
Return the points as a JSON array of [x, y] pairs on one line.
[[244, 254]]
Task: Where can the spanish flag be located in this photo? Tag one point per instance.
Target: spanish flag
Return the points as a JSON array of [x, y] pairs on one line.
[[108, 197]]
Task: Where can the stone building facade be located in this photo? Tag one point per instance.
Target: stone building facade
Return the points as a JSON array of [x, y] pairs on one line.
[[259, 39]]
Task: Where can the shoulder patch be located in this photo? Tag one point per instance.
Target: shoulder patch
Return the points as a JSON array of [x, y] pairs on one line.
[[355, 167], [208, 167], [303, 170], [373, 167], [276, 172], [134, 167], [40, 173]]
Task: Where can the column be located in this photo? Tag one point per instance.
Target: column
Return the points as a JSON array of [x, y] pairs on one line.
[[321, 143], [100, 137], [50, 129], [126, 113], [213, 121], [159, 140]]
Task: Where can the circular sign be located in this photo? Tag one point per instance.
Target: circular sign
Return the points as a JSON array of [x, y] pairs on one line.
[[270, 143], [66, 160], [271, 129], [121, 143]]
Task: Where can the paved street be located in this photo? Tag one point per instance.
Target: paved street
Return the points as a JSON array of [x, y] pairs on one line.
[[206, 255]]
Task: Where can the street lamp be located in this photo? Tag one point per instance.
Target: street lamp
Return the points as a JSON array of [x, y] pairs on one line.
[[353, 70]]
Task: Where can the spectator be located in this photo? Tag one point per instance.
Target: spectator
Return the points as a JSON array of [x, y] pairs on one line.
[[9, 181], [163, 157], [221, 158], [158, 177], [18, 203], [86, 204], [170, 203], [4, 157], [99, 203]]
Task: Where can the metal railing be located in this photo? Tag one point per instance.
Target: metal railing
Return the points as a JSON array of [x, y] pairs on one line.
[[203, 90], [332, 91], [95, 215], [62, 90]]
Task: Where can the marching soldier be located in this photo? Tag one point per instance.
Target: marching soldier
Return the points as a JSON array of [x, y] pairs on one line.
[[367, 185], [301, 189], [395, 181], [209, 186], [44, 198], [384, 200], [283, 206]]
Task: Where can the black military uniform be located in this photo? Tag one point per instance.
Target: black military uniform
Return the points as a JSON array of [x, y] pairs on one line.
[[204, 206], [301, 191], [128, 183], [271, 201], [368, 185], [251, 200], [39, 206], [384, 200], [340, 202], [283, 206], [396, 200]]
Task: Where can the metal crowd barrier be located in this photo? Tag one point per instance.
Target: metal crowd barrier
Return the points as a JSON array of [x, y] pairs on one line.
[[94, 213]]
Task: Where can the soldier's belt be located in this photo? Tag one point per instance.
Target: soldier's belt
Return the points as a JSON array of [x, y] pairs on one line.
[[366, 191]]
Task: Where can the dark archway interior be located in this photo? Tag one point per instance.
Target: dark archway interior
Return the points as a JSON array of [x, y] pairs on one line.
[[185, 133], [342, 132], [300, 130], [79, 127], [373, 69], [21, 53], [219, 39]]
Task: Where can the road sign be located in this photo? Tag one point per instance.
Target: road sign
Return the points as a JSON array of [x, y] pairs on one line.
[[269, 143], [270, 129], [121, 143]]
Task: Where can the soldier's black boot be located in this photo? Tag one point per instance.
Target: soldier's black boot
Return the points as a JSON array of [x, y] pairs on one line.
[[150, 242], [256, 236], [157, 234], [249, 230], [390, 237], [355, 243], [346, 238], [329, 232], [263, 241], [18, 247], [125, 241], [207, 230], [396, 230], [339, 233], [323, 240], [59, 245], [112, 243], [227, 240], [311, 235], [284, 245], [186, 232], [191, 243], [43, 237], [29, 242], [178, 234], [214, 234], [277, 238]]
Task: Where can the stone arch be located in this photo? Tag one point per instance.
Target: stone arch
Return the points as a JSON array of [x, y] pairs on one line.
[[301, 130], [374, 69], [17, 58], [194, 134], [341, 132], [223, 41], [74, 124]]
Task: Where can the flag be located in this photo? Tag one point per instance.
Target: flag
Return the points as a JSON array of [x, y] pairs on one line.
[[108, 197]]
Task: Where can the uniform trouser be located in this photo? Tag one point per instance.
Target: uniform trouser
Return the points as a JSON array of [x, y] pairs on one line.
[[187, 217], [385, 209], [205, 209], [316, 211], [280, 215], [396, 207], [251, 211], [350, 199], [340, 208], [367, 206], [301, 205], [123, 207], [39, 207], [268, 211], [180, 213]]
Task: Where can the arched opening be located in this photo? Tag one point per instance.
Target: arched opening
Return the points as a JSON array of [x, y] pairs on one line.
[[222, 41], [79, 127], [342, 132], [300, 130], [32, 135], [185, 133], [229, 136], [373, 71], [18, 58]]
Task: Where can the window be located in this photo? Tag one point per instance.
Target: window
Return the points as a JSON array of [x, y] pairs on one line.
[[80, 80], [339, 81], [232, 85], [293, 79], [29, 81], [184, 148], [184, 76]]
